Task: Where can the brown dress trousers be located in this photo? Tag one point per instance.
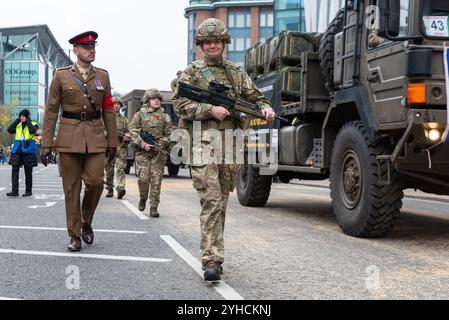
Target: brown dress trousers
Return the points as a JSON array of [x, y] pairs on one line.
[[81, 143]]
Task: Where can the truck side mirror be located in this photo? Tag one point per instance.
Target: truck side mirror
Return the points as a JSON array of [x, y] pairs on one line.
[[389, 18]]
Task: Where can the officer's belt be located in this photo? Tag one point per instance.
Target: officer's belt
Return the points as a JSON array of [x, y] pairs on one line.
[[81, 115]]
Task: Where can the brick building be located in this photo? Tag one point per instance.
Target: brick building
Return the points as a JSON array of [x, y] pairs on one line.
[[248, 21]]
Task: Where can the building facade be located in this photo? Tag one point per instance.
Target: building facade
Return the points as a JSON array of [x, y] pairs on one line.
[[29, 56], [253, 21], [248, 21]]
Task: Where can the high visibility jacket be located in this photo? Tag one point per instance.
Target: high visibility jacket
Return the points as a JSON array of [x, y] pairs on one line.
[[25, 139]]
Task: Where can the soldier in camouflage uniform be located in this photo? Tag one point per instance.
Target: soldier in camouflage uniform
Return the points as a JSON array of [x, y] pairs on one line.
[[119, 163], [150, 161], [214, 182]]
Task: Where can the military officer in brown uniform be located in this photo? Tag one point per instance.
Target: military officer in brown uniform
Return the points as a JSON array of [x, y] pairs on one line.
[[84, 94]]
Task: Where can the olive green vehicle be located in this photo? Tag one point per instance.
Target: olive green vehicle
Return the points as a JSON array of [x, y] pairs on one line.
[[367, 102]]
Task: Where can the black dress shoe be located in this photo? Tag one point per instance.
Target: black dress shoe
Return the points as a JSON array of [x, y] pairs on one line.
[[121, 193], [12, 194], [27, 194], [87, 234], [74, 244], [110, 194]]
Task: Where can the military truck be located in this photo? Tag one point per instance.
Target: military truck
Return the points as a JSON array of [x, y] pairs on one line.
[[367, 105], [132, 103]]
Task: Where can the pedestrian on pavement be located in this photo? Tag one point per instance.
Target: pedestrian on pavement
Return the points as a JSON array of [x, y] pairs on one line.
[[119, 163], [84, 94], [215, 181], [2, 155], [151, 158], [23, 152]]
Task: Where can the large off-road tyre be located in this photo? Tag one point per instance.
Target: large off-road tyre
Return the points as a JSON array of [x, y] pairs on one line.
[[253, 189], [362, 206], [327, 46]]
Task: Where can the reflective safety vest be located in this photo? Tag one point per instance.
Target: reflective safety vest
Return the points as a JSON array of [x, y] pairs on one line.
[[23, 134]]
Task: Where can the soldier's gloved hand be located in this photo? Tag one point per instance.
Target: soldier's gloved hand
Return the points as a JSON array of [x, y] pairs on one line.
[[111, 153], [45, 156], [127, 137]]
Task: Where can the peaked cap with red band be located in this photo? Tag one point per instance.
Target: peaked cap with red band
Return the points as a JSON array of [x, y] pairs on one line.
[[87, 38]]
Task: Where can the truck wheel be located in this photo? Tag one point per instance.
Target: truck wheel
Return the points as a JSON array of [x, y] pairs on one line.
[[362, 206], [327, 46], [173, 170], [253, 190]]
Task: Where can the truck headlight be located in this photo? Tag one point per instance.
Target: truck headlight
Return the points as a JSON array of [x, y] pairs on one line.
[[434, 135]]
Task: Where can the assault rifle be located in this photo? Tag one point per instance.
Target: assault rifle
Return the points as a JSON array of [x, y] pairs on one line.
[[217, 95], [151, 140]]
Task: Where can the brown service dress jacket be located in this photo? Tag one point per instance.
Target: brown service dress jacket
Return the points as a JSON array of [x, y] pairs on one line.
[[77, 136]]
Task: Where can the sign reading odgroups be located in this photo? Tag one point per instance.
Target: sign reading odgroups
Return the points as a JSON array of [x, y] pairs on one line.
[[21, 72], [21, 95]]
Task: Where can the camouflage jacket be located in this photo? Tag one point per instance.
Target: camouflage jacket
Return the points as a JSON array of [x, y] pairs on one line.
[[157, 123], [122, 128], [201, 73]]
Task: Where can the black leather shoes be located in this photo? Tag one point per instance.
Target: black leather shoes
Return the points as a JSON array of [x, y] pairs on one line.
[[110, 194], [87, 234], [212, 272], [12, 194], [74, 244], [27, 194], [120, 193], [142, 204], [154, 213]]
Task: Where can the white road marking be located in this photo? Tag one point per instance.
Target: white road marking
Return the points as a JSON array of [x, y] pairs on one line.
[[46, 189], [47, 185], [47, 205], [1, 189], [65, 229], [4, 298], [134, 210], [81, 255], [224, 289], [49, 196]]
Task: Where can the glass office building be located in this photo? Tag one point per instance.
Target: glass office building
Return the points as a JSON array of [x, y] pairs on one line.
[[289, 15], [29, 56]]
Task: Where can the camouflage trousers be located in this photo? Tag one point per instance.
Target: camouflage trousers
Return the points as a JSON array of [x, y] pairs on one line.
[[213, 183], [150, 171], [119, 163]]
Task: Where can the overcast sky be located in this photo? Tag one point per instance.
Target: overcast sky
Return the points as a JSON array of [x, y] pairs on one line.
[[141, 43]]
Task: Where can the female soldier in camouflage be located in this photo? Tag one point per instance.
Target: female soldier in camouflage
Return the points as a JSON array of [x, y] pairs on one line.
[[150, 161], [214, 182]]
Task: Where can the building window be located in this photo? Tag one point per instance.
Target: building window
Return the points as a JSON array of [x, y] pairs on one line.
[[266, 23], [191, 39], [239, 26], [289, 15]]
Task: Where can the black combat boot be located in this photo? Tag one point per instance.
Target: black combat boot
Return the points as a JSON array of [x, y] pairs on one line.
[[120, 193], [110, 194], [142, 204], [221, 268], [212, 272], [12, 194], [154, 213]]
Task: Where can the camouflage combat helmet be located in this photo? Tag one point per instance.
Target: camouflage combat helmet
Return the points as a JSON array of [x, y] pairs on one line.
[[151, 93], [212, 29], [117, 100]]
